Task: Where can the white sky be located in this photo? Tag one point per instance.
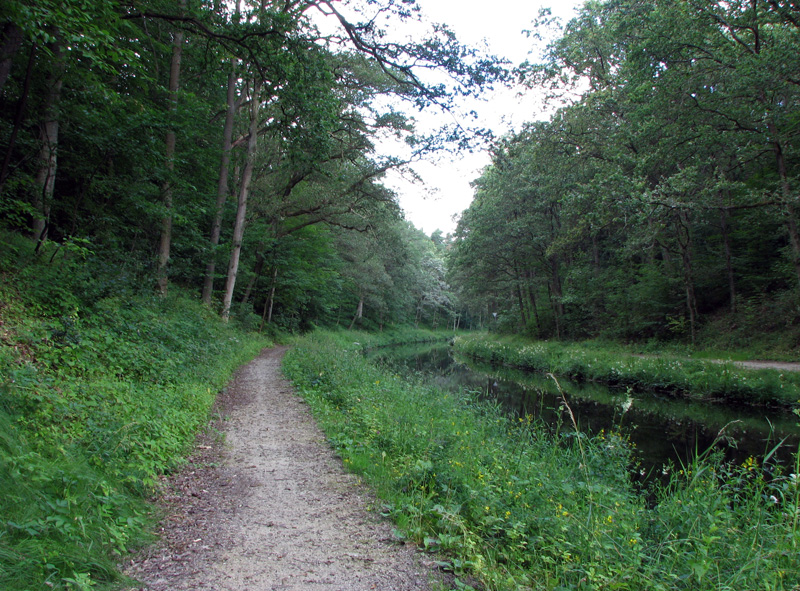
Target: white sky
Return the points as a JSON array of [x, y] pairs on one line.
[[445, 189]]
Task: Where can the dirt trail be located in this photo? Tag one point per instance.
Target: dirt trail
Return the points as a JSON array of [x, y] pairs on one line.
[[278, 512], [779, 365]]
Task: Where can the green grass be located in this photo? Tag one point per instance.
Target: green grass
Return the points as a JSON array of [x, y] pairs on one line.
[[696, 378], [358, 340], [102, 390], [510, 505]]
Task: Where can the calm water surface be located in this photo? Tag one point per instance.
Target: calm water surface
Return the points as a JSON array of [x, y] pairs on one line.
[[663, 430]]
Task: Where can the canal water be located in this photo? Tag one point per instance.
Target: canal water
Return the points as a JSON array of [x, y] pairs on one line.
[[664, 431]]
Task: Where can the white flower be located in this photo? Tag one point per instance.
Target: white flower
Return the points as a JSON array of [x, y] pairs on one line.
[[627, 404]]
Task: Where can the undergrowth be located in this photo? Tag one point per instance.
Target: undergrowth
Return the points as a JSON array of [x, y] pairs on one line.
[[510, 504], [102, 389], [696, 378]]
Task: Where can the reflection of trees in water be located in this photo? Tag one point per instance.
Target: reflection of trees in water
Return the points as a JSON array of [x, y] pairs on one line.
[[661, 429]]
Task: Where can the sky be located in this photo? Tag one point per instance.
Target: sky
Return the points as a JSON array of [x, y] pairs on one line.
[[444, 190]]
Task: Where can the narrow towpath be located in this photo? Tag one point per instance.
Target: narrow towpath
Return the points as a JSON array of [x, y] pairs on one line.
[[779, 365], [755, 364], [271, 508]]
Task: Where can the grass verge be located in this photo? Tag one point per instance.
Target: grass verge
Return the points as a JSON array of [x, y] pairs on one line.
[[98, 397], [700, 379], [510, 505]]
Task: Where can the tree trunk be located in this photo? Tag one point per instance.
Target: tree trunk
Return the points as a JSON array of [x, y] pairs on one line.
[[554, 306], [272, 294], [166, 222], [685, 243], [267, 313], [555, 294], [529, 275], [241, 206], [48, 153], [794, 236], [222, 184], [359, 312], [256, 273], [726, 241], [523, 315], [789, 210]]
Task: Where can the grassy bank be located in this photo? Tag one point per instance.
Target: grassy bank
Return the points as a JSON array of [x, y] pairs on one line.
[[701, 379], [508, 505], [358, 340], [102, 389]]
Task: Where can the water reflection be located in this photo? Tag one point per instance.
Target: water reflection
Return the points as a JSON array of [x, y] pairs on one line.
[[661, 429]]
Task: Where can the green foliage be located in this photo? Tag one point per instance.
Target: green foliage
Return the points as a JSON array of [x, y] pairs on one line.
[[98, 398], [516, 507], [696, 378], [96, 78], [661, 195]]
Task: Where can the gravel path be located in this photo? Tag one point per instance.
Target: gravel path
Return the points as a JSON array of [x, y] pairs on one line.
[[272, 508], [779, 365]]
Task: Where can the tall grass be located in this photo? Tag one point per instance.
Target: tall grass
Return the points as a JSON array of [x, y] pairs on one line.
[[706, 380], [512, 505], [98, 398]]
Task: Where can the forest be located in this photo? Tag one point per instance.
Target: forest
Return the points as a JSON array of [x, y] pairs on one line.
[[662, 199], [185, 183], [236, 151], [230, 149]]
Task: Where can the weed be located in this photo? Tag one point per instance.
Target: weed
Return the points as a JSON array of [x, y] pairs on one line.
[[98, 398], [516, 506]]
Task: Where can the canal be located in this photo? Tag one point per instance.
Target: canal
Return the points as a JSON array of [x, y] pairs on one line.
[[663, 431]]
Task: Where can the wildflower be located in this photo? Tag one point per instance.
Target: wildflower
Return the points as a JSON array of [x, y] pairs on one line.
[[627, 405]]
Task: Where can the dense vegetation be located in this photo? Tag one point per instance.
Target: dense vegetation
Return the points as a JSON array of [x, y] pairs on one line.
[[103, 386], [510, 505], [176, 174], [239, 150], [168, 166], [663, 197], [232, 148]]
